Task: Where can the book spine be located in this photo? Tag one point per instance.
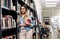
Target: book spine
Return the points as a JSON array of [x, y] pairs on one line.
[[11, 4], [3, 22], [6, 3], [18, 7], [2, 2], [27, 2], [8, 22], [14, 36], [13, 8], [31, 5]]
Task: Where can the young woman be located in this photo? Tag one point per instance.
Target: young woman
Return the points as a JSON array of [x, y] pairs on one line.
[[26, 30]]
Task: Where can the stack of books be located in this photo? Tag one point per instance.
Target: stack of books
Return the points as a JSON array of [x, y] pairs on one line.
[[8, 22]]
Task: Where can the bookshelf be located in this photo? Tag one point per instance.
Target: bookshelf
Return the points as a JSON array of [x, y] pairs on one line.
[[21, 3], [8, 15], [8, 32]]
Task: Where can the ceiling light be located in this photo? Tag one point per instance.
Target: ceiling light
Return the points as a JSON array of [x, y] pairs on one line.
[[50, 5]]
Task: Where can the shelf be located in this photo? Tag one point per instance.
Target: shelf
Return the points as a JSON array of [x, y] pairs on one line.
[[7, 11], [5, 7], [32, 10], [22, 3], [8, 28], [8, 32]]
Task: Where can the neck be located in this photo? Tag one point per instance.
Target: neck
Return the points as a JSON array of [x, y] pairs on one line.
[[23, 15]]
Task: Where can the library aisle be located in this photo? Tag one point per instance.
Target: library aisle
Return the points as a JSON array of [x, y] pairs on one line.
[[30, 19], [51, 36]]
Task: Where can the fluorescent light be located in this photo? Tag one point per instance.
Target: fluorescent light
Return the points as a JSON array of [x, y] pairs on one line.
[[50, 5], [51, 0]]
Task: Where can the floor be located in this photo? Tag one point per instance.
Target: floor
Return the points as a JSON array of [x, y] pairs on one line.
[[55, 34], [51, 37]]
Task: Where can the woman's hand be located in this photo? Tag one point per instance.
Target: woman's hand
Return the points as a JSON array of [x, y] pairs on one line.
[[27, 21], [21, 24]]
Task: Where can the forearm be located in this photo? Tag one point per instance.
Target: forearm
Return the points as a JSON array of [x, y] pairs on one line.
[[21, 24], [28, 24]]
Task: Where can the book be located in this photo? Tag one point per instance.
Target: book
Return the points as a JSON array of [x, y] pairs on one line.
[[18, 8], [31, 5], [8, 4], [29, 12], [11, 4], [8, 37], [13, 23], [13, 8], [27, 2], [14, 36], [2, 2], [5, 3], [3, 22], [8, 22]]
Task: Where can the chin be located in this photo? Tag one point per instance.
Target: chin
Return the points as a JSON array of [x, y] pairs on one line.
[[22, 12]]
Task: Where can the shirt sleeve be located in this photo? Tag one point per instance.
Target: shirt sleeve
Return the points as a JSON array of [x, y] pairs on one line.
[[20, 20]]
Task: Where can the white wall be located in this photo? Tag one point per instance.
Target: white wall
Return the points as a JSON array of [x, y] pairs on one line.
[[51, 12]]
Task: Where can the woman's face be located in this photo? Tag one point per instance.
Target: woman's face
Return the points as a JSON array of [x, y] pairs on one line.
[[43, 24], [23, 10]]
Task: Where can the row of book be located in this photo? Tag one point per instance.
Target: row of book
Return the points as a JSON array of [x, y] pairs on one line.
[[8, 4], [28, 2], [8, 22], [10, 37], [29, 13], [18, 8]]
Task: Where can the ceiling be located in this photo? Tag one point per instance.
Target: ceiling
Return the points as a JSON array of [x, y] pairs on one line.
[[50, 4]]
